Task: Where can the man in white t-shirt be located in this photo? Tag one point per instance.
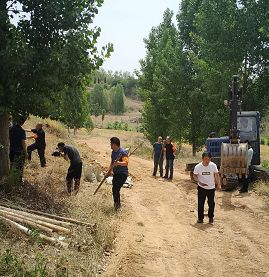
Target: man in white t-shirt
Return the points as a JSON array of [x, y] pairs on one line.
[[207, 177]]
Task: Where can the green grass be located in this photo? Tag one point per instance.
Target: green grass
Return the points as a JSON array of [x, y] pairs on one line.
[[12, 265]]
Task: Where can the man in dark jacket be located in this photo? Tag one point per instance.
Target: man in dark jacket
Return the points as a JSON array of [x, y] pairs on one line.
[[158, 156], [74, 171], [170, 156], [17, 151], [39, 144]]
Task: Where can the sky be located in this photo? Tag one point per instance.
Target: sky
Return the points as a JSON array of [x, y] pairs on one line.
[[125, 23]]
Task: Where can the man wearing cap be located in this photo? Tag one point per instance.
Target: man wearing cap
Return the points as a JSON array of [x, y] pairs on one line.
[[207, 177]]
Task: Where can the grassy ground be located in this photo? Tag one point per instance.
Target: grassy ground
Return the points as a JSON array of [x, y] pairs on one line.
[[44, 190]]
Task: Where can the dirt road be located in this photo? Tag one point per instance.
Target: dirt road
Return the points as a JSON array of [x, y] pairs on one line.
[[158, 234]]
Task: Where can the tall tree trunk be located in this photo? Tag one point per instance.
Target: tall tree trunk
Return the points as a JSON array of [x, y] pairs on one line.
[[4, 144], [194, 149]]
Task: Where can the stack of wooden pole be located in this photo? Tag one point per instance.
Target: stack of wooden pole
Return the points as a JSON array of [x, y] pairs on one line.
[[26, 220]]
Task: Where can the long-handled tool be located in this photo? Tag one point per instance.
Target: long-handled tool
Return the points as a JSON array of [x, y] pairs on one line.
[[111, 167], [108, 173]]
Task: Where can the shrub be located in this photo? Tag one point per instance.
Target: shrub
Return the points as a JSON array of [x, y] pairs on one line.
[[262, 141], [10, 181], [265, 164], [88, 124], [261, 188], [118, 125]]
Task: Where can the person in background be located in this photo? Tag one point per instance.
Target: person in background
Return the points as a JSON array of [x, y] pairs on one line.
[[74, 171], [158, 156], [17, 150], [246, 180], [39, 144], [169, 150], [207, 177], [119, 168]]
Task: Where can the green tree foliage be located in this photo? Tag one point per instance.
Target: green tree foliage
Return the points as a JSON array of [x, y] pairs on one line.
[[163, 77], [111, 79], [75, 107], [117, 100], [186, 71], [99, 97], [49, 48]]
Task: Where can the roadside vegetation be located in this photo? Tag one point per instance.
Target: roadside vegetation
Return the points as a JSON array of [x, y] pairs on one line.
[[44, 190]]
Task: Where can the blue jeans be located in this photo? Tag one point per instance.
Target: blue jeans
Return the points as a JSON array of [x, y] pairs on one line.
[[169, 167]]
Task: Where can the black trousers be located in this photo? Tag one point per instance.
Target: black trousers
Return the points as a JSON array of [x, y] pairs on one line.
[[169, 167], [158, 161], [244, 182], [40, 151], [117, 183], [202, 195], [17, 160], [74, 172]]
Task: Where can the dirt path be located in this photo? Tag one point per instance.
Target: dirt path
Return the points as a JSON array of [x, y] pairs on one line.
[[158, 234]]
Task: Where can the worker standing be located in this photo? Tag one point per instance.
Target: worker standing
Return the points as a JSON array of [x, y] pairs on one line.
[[17, 151], [39, 144], [246, 180], [74, 171], [158, 156], [207, 177], [120, 169], [169, 149]]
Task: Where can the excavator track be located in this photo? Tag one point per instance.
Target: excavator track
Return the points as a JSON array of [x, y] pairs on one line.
[[230, 182]]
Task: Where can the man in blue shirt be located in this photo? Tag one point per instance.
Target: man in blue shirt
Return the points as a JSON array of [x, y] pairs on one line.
[[158, 156], [119, 166]]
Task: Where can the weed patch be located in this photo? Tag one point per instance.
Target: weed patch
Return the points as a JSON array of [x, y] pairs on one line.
[[261, 188]]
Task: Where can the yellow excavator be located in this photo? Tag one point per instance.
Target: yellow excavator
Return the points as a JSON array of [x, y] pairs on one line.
[[230, 153]]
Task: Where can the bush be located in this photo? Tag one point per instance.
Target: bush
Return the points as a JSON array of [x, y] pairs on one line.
[[10, 181], [262, 141], [118, 125], [88, 124], [261, 188], [265, 164]]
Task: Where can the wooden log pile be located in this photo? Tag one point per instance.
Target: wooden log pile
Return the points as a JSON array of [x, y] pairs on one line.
[[26, 221]]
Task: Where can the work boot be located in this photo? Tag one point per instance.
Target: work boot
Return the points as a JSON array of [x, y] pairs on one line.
[[76, 186], [69, 186]]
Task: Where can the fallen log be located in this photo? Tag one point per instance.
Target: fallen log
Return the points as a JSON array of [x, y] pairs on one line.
[[41, 222], [29, 232], [20, 219], [61, 218], [42, 218]]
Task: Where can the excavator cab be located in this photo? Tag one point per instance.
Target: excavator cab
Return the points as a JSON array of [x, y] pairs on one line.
[[248, 124]]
